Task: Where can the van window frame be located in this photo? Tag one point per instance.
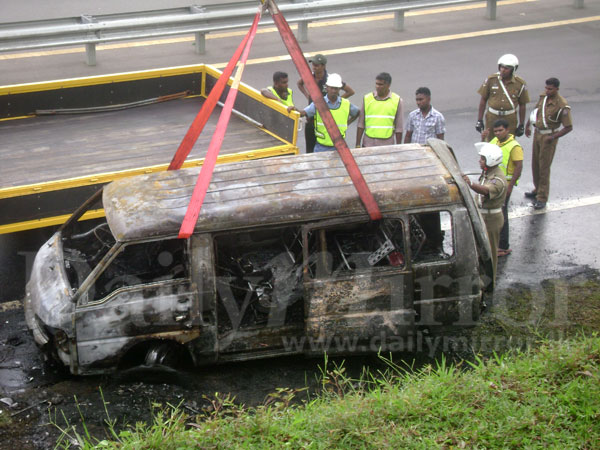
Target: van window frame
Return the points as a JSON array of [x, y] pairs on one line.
[[81, 298], [218, 267], [450, 209], [400, 216]]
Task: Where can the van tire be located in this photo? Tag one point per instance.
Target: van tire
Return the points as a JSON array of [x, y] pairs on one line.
[[157, 358]]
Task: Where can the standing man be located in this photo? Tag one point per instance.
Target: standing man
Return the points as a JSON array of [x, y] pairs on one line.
[[492, 193], [512, 166], [343, 112], [280, 90], [380, 115], [426, 121], [551, 111], [504, 93], [319, 67]]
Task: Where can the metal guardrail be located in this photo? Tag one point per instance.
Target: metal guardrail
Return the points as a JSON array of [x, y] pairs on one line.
[[200, 20]]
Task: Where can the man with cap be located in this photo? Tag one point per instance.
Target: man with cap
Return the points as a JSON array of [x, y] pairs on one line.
[[319, 72], [504, 93], [343, 112], [491, 188], [280, 90], [380, 117]]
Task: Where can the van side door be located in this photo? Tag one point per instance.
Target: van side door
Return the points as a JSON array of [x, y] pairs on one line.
[[144, 293], [259, 291], [357, 286]]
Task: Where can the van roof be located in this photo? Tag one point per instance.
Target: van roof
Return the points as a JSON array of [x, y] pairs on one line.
[[270, 191]]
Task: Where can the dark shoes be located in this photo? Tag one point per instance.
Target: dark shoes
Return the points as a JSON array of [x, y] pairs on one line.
[[531, 194], [536, 203]]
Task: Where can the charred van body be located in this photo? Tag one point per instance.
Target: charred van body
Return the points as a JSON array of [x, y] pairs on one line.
[[283, 260]]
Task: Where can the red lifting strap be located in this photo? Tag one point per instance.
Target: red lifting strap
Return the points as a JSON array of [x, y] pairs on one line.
[[193, 210], [340, 144], [199, 122]]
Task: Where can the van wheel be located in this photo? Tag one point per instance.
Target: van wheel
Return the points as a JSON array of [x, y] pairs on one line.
[[163, 354], [155, 362]]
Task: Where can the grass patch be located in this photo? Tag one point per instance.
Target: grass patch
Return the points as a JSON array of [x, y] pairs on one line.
[[543, 398], [5, 420], [522, 317], [556, 304]]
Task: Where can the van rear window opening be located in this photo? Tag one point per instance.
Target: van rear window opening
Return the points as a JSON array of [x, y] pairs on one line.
[[346, 248], [431, 236]]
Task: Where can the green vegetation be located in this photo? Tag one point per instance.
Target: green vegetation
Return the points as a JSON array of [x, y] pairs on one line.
[[5, 420], [565, 307], [522, 317], [543, 398]]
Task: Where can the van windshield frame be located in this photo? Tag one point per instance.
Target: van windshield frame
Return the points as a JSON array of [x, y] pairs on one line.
[[85, 243]]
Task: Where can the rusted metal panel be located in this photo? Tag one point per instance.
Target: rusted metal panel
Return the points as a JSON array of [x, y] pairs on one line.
[[257, 339], [361, 306], [107, 329], [362, 327], [358, 293], [105, 355], [288, 189]]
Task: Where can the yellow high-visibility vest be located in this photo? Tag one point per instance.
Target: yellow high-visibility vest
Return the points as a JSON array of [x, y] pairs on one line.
[[506, 149], [340, 115], [380, 115], [288, 101]]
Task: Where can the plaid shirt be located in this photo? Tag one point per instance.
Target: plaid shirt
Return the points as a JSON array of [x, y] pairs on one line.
[[426, 127]]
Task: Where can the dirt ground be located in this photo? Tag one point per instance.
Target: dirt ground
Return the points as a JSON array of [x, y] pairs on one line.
[[36, 400], [44, 397]]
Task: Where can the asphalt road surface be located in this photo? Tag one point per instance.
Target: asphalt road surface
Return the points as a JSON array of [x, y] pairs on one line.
[[450, 50]]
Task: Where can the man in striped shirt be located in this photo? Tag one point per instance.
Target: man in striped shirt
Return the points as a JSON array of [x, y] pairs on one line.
[[426, 121]]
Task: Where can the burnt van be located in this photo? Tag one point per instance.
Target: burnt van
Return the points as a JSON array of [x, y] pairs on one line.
[[283, 260]]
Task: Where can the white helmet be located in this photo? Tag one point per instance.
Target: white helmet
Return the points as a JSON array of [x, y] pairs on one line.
[[491, 152], [509, 60], [334, 80]]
